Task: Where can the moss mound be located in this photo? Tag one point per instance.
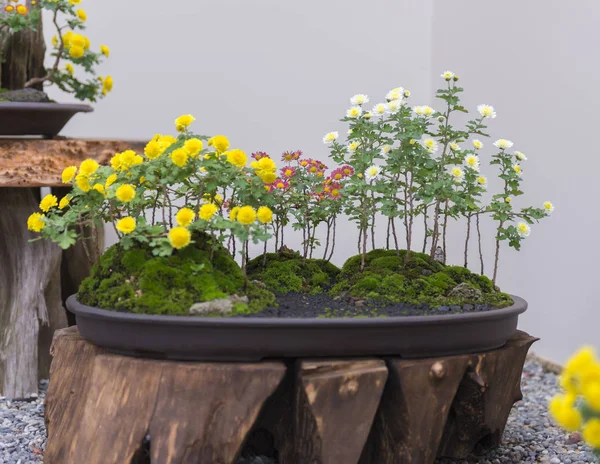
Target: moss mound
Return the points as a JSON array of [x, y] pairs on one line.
[[423, 281], [136, 281], [287, 271]]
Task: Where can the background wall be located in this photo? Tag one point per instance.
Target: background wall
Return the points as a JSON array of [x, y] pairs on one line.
[[275, 76]]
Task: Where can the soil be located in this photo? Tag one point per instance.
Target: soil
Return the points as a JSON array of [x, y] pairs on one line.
[[301, 305]]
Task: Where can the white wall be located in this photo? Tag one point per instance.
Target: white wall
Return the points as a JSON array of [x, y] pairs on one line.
[[535, 61], [276, 75]]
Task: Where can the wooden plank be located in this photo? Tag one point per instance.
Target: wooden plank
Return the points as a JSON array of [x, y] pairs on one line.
[[29, 297], [335, 405], [29, 162]]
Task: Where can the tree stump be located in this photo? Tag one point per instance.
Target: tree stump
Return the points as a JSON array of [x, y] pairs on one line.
[[36, 278], [112, 409]]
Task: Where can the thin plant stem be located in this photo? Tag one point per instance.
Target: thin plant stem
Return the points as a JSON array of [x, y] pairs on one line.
[[479, 242], [467, 240]]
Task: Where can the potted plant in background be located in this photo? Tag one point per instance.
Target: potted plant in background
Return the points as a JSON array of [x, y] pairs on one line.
[[187, 207], [25, 108]]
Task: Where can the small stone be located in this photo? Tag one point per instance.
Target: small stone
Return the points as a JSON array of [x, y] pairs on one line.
[[555, 460], [220, 305], [25, 96], [573, 438], [455, 308], [426, 272], [468, 307], [444, 309], [259, 284], [359, 303], [465, 291]]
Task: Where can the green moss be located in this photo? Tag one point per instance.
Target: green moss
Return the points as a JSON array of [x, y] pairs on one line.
[[286, 272], [136, 281], [388, 279]]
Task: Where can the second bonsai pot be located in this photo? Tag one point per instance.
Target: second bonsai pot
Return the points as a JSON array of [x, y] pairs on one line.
[[45, 119], [248, 339]]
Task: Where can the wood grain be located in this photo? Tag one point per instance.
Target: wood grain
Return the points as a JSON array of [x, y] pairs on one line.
[[39, 163]]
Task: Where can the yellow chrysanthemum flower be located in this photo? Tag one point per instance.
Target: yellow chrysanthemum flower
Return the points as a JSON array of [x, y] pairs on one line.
[[183, 122], [81, 14], [129, 158], [68, 174], [179, 237], [70, 69], [246, 215], [22, 10], [126, 225], [115, 161], [591, 433], [99, 188], [207, 211], [219, 143], [233, 213], [268, 177], [264, 214], [193, 146], [76, 52], [184, 217], [105, 50], [48, 202], [83, 183], [67, 38], [77, 40], [74, 2], [110, 180], [591, 393], [125, 193], [64, 202], [237, 157], [153, 149], [35, 222], [88, 167], [108, 84], [55, 41], [563, 410], [179, 157]]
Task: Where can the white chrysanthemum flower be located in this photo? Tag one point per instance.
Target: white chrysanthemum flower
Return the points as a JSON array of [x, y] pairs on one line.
[[520, 156], [379, 109], [395, 94], [477, 144], [482, 181], [428, 111], [350, 131], [353, 146], [517, 169], [454, 146], [447, 75], [486, 111], [330, 137], [393, 106], [429, 144], [418, 110], [354, 112], [457, 173], [503, 144], [471, 161], [367, 115], [548, 207], [385, 149], [359, 99], [372, 173], [523, 229]]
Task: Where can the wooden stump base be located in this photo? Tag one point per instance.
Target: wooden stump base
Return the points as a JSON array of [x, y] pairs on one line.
[[110, 409]]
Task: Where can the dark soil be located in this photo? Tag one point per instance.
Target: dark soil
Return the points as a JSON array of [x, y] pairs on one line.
[[302, 305]]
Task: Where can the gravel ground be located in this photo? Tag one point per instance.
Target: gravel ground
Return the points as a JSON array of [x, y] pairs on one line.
[[529, 436]]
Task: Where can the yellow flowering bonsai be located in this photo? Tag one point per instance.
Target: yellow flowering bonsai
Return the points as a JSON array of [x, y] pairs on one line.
[[578, 407], [174, 208], [74, 59]]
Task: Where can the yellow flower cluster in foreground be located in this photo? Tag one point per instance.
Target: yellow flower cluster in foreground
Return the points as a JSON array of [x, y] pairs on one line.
[[578, 408]]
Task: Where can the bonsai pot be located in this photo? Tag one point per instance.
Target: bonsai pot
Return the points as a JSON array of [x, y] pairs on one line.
[[252, 339], [45, 119]]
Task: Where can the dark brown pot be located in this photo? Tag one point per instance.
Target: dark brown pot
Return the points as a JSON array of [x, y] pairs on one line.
[[45, 119], [247, 339]]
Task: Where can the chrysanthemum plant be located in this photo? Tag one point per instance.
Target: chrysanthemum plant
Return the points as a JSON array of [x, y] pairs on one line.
[[74, 61], [578, 407], [159, 199], [416, 168]]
